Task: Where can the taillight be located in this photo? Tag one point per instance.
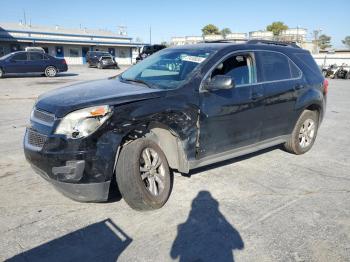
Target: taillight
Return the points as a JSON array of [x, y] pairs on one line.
[[64, 61], [325, 86]]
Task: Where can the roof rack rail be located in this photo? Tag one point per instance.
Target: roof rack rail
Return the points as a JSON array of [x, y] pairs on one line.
[[217, 41], [271, 42]]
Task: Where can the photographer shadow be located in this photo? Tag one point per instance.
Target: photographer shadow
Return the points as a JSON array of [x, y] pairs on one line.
[[206, 235]]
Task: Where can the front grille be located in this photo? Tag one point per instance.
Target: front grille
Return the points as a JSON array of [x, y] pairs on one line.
[[43, 117], [36, 139]]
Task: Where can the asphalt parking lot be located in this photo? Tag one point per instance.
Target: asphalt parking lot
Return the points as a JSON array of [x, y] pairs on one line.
[[267, 206]]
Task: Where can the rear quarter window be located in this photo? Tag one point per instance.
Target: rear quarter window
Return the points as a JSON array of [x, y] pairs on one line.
[[308, 61]]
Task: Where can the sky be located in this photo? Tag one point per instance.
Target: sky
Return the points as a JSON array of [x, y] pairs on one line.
[[183, 17]]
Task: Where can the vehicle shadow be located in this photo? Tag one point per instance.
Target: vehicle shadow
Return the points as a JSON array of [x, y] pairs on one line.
[[102, 241], [233, 160], [206, 235], [40, 75]]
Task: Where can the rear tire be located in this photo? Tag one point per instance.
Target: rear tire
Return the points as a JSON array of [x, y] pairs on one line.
[[50, 71], [1, 73], [143, 175], [304, 133]]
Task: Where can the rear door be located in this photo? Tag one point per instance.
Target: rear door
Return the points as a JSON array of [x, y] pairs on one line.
[[231, 118], [36, 62], [281, 80], [17, 63]]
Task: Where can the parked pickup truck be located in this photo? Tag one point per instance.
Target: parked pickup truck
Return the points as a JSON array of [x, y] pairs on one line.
[[220, 101]]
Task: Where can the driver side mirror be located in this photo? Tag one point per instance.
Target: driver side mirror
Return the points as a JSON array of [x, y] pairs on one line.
[[220, 82]]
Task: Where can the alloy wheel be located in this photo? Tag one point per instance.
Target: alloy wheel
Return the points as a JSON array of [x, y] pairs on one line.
[[51, 71], [152, 171], [307, 133]]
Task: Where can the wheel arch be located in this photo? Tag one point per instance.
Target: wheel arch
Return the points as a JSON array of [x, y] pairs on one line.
[[169, 141], [166, 138], [312, 100]]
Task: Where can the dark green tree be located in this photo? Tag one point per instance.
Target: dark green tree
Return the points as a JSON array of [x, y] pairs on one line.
[[346, 41], [225, 31], [324, 41], [210, 29], [277, 27]]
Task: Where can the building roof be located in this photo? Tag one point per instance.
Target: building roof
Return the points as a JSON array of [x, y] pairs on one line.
[[60, 30]]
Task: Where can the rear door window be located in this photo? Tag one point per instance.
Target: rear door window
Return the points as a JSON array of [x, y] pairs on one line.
[[36, 56], [276, 66]]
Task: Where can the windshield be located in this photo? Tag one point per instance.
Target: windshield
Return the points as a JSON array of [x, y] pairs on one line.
[[167, 69], [5, 56]]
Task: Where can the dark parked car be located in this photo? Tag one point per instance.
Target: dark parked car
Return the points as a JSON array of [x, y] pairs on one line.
[[221, 101], [149, 50], [31, 62], [101, 59]]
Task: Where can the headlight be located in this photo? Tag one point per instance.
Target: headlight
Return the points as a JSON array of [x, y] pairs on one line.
[[83, 122]]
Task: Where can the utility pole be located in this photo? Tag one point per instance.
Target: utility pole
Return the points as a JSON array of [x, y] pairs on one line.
[[150, 35], [297, 34], [24, 17], [122, 30]]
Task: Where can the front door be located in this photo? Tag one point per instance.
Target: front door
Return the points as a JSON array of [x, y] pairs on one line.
[[231, 118], [17, 63], [84, 52], [111, 51], [59, 51]]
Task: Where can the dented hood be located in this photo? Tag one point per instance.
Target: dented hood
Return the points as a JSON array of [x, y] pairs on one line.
[[108, 91]]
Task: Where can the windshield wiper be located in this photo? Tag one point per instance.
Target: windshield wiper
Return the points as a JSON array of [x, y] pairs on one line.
[[136, 81]]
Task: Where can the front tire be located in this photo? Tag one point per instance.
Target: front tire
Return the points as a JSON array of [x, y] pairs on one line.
[[99, 66], [304, 133], [50, 71], [143, 175]]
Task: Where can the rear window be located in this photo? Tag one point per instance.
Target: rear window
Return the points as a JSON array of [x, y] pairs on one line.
[[276, 66]]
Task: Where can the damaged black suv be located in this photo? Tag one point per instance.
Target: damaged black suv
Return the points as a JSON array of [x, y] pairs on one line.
[[180, 109]]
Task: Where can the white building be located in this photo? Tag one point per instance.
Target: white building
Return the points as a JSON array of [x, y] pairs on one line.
[[237, 37], [337, 57], [72, 44], [297, 35], [189, 40], [261, 34]]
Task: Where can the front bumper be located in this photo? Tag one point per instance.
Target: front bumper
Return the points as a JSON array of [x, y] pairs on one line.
[[109, 64], [89, 192], [80, 169]]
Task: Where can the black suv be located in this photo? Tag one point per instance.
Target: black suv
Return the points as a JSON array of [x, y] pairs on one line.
[[101, 59], [180, 109], [149, 50]]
